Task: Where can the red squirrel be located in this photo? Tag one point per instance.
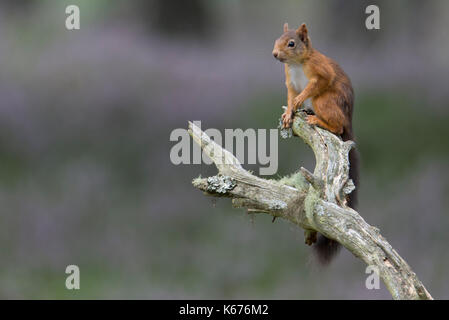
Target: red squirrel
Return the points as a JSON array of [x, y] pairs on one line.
[[311, 75]]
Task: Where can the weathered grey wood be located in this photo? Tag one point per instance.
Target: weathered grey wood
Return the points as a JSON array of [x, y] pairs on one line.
[[314, 201]]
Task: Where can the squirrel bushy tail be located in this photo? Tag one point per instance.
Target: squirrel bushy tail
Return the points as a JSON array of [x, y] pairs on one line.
[[326, 249]]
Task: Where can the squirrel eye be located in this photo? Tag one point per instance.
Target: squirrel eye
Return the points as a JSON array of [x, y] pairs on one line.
[[291, 43]]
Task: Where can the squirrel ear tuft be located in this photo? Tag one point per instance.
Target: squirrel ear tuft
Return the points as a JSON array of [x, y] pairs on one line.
[[285, 27], [302, 33]]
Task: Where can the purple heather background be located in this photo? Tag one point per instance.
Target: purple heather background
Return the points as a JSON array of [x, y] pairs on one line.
[[85, 119]]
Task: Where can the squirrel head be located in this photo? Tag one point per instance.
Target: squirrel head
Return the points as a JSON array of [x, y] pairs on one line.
[[293, 46]]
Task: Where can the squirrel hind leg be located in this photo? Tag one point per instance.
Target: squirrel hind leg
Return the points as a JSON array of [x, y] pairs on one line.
[[330, 115], [316, 120]]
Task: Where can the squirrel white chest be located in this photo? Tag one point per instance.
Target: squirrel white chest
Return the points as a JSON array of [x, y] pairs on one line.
[[298, 79]]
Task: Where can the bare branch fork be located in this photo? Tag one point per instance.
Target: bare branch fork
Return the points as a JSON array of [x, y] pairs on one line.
[[314, 201]]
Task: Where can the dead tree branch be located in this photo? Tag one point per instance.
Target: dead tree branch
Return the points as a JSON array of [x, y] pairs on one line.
[[314, 201]]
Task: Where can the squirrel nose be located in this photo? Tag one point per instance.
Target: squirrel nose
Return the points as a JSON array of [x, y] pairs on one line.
[[275, 54]]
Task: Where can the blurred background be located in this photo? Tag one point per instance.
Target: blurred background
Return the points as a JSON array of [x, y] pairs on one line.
[[85, 120]]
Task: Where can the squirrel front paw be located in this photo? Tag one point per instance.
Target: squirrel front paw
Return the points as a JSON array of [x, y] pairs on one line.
[[287, 119]]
